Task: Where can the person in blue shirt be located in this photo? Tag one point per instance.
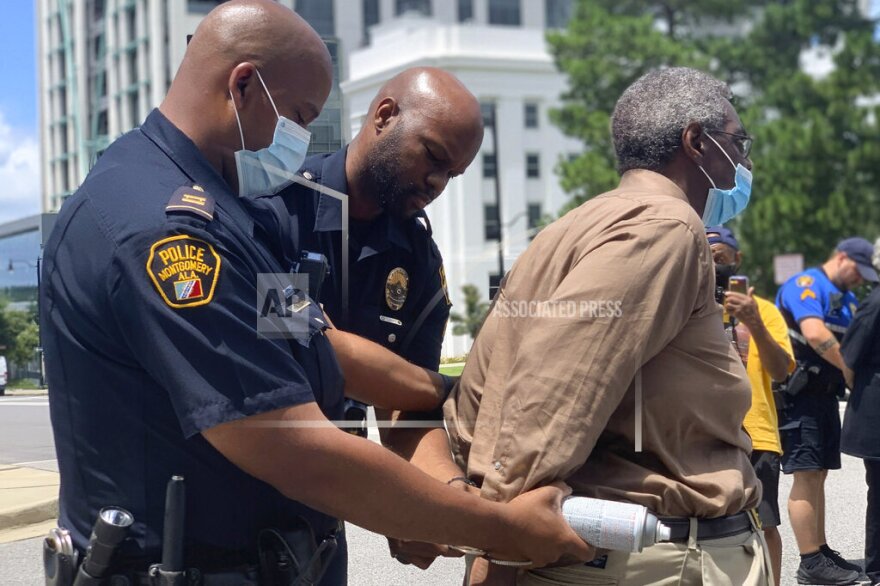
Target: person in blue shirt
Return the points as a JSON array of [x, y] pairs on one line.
[[818, 305], [156, 363]]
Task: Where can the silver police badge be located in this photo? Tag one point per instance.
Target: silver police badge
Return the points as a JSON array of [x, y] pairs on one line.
[[396, 288]]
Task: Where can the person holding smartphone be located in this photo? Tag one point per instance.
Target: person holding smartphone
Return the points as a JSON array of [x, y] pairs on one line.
[[761, 337]]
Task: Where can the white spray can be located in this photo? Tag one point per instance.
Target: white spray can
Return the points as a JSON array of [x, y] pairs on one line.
[[613, 525]]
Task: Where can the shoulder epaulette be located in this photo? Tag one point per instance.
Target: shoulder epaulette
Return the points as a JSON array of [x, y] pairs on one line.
[[193, 200]]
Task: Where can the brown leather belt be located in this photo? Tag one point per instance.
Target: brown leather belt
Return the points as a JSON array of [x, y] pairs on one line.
[[679, 528]]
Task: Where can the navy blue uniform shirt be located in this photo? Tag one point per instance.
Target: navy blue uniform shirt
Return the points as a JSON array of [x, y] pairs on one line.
[[149, 326], [861, 352], [395, 268]]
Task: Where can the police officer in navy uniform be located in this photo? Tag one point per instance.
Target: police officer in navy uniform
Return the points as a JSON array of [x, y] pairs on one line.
[[155, 364], [818, 305], [860, 436], [423, 128]]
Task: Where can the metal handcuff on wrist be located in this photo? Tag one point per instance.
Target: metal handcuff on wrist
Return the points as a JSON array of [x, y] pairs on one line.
[[472, 553]]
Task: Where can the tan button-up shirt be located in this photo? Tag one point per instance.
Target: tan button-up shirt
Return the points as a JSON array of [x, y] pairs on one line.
[[617, 294]]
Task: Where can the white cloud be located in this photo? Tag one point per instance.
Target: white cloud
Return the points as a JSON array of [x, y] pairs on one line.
[[19, 172]]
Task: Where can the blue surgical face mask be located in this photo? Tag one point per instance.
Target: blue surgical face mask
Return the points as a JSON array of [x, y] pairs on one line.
[[267, 170], [725, 204]]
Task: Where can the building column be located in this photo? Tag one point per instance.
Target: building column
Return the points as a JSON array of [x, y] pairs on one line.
[[511, 160]]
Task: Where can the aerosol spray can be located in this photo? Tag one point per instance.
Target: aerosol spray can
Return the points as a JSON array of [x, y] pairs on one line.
[[613, 525]]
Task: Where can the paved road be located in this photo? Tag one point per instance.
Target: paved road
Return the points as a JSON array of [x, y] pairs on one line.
[[24, 432]]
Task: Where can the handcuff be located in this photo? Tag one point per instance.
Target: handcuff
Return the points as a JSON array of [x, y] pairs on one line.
[[472, 553]]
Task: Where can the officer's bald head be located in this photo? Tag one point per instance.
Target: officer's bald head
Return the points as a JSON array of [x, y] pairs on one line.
[[423, 128], [263, 32], [237, 44], [434, 93]]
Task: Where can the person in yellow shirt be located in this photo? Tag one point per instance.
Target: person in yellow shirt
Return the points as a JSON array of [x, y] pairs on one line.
[[763, 343]]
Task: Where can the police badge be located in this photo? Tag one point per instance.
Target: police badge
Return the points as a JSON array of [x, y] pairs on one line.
[[396, 287]]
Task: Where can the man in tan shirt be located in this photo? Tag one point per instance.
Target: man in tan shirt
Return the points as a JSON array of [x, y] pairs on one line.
[[603, 361]]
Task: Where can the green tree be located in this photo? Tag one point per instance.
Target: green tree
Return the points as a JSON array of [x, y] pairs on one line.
[[817, 141], [19, 335], [474, 313]]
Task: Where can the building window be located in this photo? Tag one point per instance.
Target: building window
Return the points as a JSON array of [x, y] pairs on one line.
[[531, 115], [533, 166], [504, 12], [202, 6], [557, 13], [494, 284], [486, 111], [319, 14], [371, 17], [98, 9], [489, 166], [491, 225], [131, 24], [422, 7], [534, 213], [465, 10]]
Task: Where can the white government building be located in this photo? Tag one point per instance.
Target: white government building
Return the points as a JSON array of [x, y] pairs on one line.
[[104, 64]]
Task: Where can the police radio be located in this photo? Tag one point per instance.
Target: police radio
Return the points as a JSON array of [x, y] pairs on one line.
[[316, 266]]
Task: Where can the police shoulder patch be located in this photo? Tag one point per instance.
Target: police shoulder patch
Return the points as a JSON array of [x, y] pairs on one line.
[[194, 200], [184, 270], [804, 281]]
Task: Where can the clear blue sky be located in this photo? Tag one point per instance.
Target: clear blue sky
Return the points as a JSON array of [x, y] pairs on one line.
[[18, 100]]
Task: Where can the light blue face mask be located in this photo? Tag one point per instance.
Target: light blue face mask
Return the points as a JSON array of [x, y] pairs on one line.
[[725, 204], [267, 170]]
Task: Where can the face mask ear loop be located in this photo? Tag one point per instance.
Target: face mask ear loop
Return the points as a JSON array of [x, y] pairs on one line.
[[238, 120], [700, 167], [732, 164], [271, 101]]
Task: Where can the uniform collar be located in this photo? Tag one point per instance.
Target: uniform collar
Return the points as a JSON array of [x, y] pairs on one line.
[[328, 217], [644, 180], [186, 155]]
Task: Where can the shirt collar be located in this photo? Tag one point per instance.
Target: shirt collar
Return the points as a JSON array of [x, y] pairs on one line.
[[644, 180], [328, 217], [186, 155]]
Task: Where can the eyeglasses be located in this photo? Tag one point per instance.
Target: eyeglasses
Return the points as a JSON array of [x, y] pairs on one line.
[[742, 141]]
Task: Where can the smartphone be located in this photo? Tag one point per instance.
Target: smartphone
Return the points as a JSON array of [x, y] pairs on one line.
[[739, 284]]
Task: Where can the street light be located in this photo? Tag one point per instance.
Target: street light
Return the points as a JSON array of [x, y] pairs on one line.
[[10, 268]]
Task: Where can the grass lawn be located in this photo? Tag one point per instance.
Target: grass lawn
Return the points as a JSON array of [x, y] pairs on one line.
[[454, 370]]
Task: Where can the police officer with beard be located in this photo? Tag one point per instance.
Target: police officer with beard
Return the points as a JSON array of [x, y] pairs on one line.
[[423, 128]]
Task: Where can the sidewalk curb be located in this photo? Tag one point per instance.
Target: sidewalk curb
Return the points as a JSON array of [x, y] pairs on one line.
[[27, 496], [30, 514]]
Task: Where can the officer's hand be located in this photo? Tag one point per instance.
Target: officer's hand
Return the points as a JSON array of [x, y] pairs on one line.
[[419, 553], [743, 307], [542, 536]]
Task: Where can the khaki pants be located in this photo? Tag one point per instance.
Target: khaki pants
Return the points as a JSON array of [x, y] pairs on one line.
[[740, 560]]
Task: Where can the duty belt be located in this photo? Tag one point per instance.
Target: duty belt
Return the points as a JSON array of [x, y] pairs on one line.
[[679, 527]]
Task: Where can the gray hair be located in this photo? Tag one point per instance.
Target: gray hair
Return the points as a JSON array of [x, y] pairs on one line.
[[652, 113]]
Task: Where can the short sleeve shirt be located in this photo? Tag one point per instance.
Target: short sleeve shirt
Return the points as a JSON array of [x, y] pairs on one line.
[[150, 329], [761, 421], [812, 294]]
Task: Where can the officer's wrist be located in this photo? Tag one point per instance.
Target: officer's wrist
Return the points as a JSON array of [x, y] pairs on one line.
[[464, 483]]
